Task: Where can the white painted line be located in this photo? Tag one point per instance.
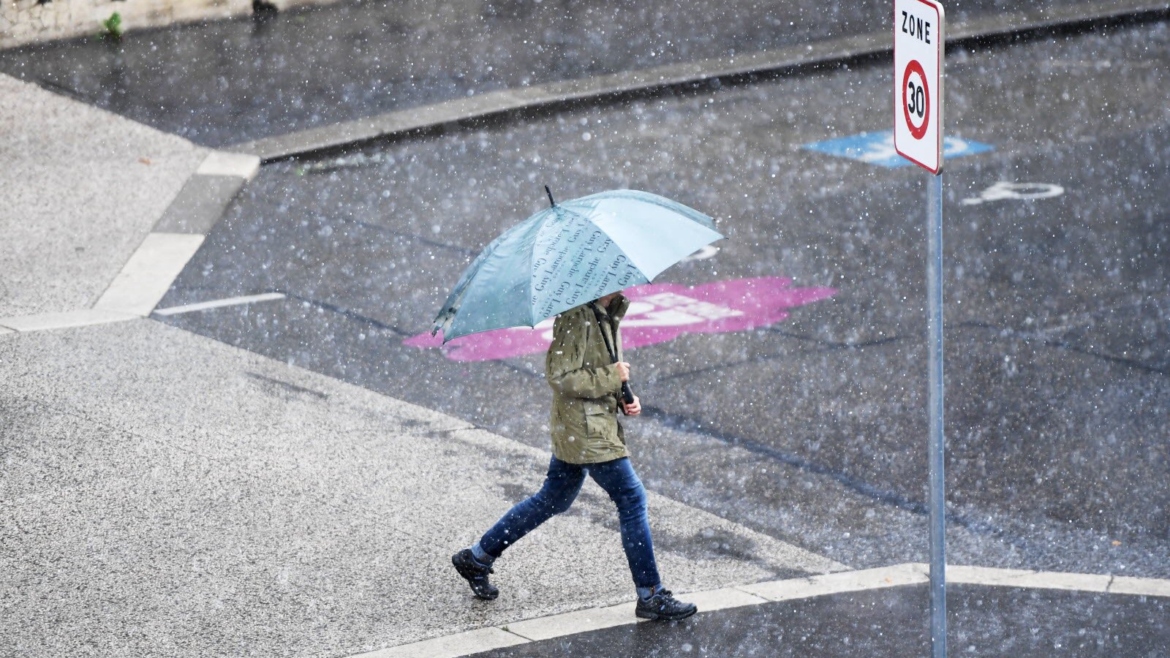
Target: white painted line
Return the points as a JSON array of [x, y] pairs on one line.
[[222, 163], [1080, 582], [575, 622], [66, 320], [462, 644], [722, 599], [984, 575], [1140, 586], [148, 274], [219, 303], [836, 583], [6, 330]]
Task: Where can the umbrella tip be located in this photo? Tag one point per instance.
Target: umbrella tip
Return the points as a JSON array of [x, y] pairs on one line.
[[549, 193]]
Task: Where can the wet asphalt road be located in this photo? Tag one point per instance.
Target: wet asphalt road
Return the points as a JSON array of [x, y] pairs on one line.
[[812, 429], [229, 82]]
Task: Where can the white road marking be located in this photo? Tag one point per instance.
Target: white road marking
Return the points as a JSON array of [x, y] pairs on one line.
[[219, 303], [223, 163], [452, 646], [580, 621], [66, 320], [1140, 586], [723, 599], [1080, 582], [1024, 191], [148, 274], [835, 583]]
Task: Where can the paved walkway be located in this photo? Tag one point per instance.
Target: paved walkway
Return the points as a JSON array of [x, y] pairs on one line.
[[167, 495], [101, 213]]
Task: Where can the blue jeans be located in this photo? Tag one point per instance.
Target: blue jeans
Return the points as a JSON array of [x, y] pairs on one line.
[[560, 489]]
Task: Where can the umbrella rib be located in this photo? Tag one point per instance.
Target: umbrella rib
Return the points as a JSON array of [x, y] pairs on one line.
[[528, 267], [558, 213]]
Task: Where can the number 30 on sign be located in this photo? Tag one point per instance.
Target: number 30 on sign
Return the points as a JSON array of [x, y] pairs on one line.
[[918, 89]]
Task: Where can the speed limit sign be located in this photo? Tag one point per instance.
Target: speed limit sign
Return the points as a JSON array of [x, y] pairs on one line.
[[918, 92]]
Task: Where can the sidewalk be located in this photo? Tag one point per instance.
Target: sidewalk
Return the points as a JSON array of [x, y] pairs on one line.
[[101, 213], [170, 495]]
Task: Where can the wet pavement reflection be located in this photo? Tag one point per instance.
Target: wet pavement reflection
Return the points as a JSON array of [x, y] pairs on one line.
[[227, 82]]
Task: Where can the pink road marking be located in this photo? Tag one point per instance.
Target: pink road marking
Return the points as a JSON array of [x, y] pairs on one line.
[[659, 312]]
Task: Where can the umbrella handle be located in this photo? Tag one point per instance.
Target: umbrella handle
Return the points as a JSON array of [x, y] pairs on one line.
[[627, 393]]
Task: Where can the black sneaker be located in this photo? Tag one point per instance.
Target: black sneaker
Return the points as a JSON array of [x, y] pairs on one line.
[[476, 574], [664, 607]]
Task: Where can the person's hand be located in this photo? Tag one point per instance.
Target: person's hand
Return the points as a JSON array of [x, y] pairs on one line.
[[632, 408], [623, 369]]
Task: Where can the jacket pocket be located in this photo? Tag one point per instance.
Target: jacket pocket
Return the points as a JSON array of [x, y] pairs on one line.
[[599, 419]]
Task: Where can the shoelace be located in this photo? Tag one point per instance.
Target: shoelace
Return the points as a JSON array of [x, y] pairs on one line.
[[664, 597]]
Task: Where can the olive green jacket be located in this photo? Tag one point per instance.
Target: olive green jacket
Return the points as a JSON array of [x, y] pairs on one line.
[[586, 386]]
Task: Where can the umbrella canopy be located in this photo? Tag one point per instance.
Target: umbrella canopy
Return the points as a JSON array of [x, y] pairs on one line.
[[570, 254]]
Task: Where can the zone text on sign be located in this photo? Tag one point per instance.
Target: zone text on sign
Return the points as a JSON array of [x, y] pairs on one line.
[[915, 27]]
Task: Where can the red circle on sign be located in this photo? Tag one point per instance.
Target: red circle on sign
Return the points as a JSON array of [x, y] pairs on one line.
[[915, 67]]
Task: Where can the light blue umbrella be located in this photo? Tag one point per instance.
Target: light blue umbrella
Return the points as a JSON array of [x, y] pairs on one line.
[[571, 254]]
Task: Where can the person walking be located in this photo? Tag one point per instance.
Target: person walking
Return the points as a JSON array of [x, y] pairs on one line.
[[585, 369]]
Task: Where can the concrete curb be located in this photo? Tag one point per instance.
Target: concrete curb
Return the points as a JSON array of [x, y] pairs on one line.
[[580, 621], [791, 59], [177, 235]]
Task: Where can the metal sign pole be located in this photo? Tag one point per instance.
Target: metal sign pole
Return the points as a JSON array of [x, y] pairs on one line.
[[919, 37], [937, 477]]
